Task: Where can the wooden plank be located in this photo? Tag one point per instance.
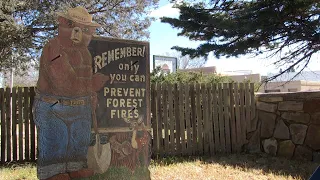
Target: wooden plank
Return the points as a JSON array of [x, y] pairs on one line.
[[8, 122], [210, 119], [3, 126], [165, 118], [159, 120], [171, 120], [221, 119], [232, 119], [242, 114], [178, 118], [20, 122], [248, 107], [216, 119], [14, 124], [187, 118], [199, 120], [226, 101], [182, 119], [26, 122], [154, 119], [32, 126], [205, 112], [253, 107], [193, 119], [238, 117]]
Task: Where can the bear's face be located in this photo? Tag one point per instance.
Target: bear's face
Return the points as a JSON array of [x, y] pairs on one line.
[[76, 33]]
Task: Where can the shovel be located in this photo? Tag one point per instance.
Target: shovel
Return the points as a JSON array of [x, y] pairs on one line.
[[99, 155]]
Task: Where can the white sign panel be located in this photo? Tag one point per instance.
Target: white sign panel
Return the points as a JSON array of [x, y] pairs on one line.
[[167, 64]]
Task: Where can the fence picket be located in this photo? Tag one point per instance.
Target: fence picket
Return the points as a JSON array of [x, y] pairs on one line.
[[226, 116], [154, 119], [232, 119], [253, 108], [159, 120], [193, 119], [216, 119], [14, 124], [177, 117], [26, 122], [182, 120], [171, 120], [20, 123], [210, 120], [32, 126], [165, 116], [8, 122], [221, 119], [3, 127], [238, 117], [242, 114], [199, 120], [247, 107], [205, 112], [187, 118]]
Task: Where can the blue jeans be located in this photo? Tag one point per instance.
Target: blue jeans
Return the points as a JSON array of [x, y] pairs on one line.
[[63, 135]]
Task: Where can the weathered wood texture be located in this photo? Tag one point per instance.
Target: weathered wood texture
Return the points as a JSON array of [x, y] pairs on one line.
[[187, 119], [202, 119], [18, 131]]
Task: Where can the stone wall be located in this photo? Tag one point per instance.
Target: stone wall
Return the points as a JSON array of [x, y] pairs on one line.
[[288, 125]]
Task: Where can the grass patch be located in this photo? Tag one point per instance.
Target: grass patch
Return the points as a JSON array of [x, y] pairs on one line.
[[235, 166], [18, 171]]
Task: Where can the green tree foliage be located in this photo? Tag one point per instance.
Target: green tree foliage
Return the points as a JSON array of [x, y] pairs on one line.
[[288, 28], [158, 76], [25, 25]]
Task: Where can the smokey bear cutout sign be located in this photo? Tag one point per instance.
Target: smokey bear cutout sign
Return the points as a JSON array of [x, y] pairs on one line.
[[123, 110], [66, 97], [91, 106]]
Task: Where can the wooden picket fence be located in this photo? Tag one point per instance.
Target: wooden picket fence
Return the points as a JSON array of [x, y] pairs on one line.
[[18, 133], [201, 119], [187, 119]]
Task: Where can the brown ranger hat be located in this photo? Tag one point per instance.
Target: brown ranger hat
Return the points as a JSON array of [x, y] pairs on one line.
[[80, 15]]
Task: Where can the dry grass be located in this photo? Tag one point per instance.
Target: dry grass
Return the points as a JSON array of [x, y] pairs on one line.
[[238, 167], [18, 171]]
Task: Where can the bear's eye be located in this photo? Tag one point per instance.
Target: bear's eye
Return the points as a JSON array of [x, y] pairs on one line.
[[85, 30], [70, 23]]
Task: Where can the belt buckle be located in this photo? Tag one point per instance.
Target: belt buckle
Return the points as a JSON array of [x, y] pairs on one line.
[[76, 102]]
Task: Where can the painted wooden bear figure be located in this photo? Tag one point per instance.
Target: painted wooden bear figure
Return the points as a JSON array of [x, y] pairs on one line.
[[66, 98]]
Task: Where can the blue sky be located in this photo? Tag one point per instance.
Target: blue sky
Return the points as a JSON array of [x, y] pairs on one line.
[[163, 37]]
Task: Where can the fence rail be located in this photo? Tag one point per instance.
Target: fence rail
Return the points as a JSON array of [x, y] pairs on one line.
[[187, 119]]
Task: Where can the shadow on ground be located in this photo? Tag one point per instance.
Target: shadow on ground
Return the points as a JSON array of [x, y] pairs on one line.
[[245, 162], [266, 163]]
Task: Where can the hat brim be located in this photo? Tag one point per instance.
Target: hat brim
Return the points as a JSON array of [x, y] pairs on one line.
[[93, 24]]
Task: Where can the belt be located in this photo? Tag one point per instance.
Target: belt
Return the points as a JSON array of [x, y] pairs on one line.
[[66, 102]]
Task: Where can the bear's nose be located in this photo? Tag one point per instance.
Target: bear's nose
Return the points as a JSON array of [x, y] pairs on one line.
[[76, 30]]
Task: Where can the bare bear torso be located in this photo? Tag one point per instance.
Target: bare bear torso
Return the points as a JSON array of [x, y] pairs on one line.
[[65, 71]]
